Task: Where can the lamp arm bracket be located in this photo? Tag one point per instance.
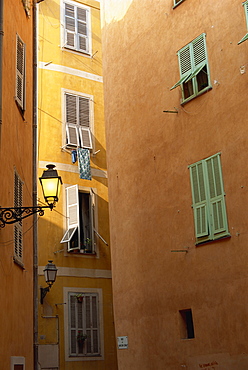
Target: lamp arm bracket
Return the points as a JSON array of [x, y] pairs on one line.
[[16, 214]]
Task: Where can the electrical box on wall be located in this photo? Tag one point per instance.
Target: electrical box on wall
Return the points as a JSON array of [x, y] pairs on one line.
[[122, 342]]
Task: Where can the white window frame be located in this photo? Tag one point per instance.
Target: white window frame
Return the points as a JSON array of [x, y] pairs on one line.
[[78, 291], [73, 218], [17, 360], [76, 140], [20, 72], [18, 230], [75, 34]]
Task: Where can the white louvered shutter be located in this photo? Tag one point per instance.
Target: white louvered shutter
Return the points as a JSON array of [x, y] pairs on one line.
[[92, 324], [84, 122], [71, 118], [73, 324], [82, 27], [70, 26], [73, 213], [20, 72]]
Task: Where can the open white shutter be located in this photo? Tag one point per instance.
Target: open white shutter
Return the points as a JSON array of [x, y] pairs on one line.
[[72, 217]]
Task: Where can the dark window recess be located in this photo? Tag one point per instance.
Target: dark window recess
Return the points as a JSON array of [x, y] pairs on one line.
[[187, 325]]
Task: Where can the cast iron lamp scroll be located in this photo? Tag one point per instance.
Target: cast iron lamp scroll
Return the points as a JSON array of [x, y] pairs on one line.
[[50, 272], [50, 183]]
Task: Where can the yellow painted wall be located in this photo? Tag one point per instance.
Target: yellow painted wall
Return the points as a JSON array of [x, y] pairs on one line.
[[92, 271]]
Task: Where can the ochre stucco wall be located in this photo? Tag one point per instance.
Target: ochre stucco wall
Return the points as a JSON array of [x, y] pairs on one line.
[[16, 147], [148, 154]]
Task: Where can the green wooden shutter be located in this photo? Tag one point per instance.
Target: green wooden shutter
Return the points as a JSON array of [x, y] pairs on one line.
[[245, 4], [199, 197], [199, 52], [73, 213], [70, 26], [218, 219], [185, 65]]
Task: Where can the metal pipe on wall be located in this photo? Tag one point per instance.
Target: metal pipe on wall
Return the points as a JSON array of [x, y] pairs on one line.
[[1, 65], [35, 219]]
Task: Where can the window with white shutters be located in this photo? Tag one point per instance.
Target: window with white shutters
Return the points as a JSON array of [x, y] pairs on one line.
[[208, 199], [84, 333], [194, 70], [18, 233], [79, 235], [245, 4], [20, 72], [78, 120], [77, 27]]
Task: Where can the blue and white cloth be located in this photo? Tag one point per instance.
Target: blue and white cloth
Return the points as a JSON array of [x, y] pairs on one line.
[[84, 163]]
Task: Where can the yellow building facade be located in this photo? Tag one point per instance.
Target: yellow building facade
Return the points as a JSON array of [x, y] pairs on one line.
[[75, 318]]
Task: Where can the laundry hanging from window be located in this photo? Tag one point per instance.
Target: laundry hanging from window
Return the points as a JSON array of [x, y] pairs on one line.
[[84, 163]]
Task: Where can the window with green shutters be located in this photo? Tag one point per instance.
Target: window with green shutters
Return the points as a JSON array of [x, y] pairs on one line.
[[208, 199], [245, 4], [194, 69], [77, 27], [84, 332]]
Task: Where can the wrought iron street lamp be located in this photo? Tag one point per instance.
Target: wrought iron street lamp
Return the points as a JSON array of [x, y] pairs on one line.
[[50, 272], [50, 183]]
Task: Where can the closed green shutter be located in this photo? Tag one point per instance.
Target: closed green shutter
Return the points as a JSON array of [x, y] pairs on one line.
[[208, 199], [216, 195], [199, 200]]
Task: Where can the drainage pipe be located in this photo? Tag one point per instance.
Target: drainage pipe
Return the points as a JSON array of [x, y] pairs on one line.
[[1, 65]]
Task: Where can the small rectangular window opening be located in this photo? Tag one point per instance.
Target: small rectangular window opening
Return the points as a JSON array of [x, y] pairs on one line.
[[187, 325]]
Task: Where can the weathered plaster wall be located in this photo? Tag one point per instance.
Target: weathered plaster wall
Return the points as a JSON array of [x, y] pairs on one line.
[[149, 188], [16, 304]]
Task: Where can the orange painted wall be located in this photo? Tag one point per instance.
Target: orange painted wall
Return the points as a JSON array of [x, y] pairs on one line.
[[148, 155], [16, 146]]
